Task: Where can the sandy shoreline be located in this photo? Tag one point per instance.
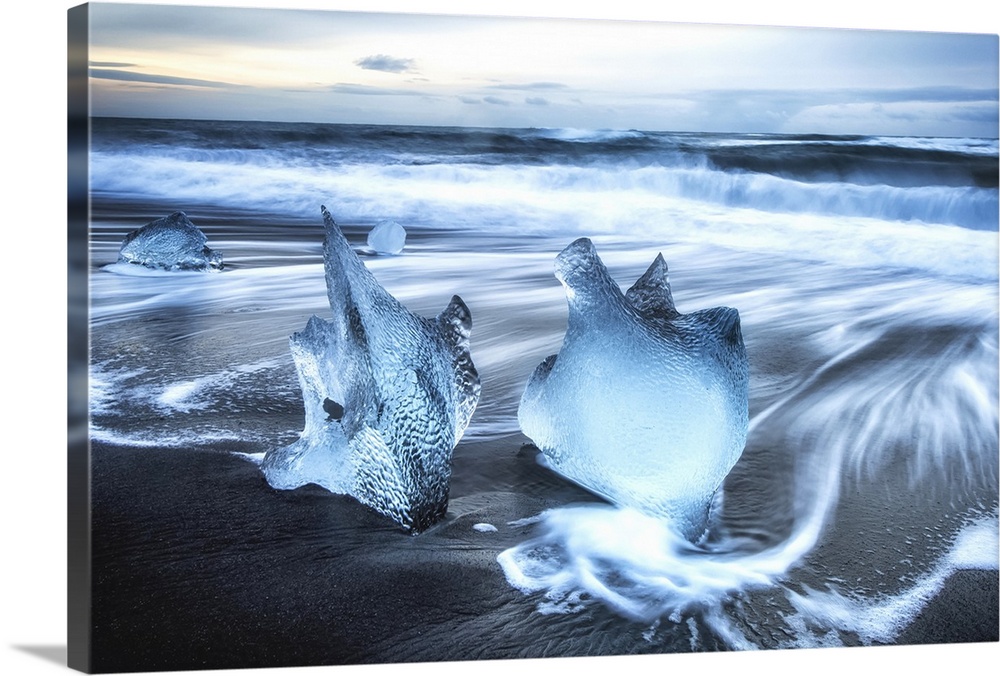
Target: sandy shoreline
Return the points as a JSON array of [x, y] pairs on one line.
[[198, 563]]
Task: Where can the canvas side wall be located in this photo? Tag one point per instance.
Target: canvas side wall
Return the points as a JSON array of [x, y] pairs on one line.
[[79, 550]]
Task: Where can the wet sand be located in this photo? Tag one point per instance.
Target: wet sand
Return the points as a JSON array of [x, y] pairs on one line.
[[199, 564]]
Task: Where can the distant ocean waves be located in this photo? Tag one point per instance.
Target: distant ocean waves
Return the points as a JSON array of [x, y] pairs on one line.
[[261, 179], [913, 203]]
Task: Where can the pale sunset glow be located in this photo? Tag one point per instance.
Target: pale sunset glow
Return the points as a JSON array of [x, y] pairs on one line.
[[299, 65]]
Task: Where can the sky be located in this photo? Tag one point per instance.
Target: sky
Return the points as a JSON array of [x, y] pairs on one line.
[[385, 68]]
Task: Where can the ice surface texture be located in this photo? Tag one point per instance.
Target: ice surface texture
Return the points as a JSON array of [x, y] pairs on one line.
[[170, 243], [387, 396], [387, 237], [643, 405]]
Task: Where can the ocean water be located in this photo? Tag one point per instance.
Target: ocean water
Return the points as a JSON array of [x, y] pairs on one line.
[[865, 271]]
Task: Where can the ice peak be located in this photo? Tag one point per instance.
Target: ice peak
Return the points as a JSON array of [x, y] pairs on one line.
[[650, 295], [578, 262], [456, 322], [589, 286]]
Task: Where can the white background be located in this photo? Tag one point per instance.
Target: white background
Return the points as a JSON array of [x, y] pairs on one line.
[[33, 368]]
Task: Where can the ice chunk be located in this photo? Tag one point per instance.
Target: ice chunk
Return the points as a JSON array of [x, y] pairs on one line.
[[387, 396], [643, 405], [170, 243], [387, 237]]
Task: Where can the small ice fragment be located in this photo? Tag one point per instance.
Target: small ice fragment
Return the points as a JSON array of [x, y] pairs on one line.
[[387, 237], [485, 528], [255, 458], [170, 243]]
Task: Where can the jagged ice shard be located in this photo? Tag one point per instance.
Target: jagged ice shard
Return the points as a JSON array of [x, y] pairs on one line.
[[387, 396], [170, 243], [642, 405]]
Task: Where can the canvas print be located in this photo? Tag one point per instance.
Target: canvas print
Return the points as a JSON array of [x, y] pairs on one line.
[[419, 338]]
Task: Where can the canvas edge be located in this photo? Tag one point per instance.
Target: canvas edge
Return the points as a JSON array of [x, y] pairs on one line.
[[79, 534], [78, 654]]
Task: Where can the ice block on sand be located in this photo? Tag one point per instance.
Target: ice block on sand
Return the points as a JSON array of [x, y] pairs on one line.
[[170, 243], [387, 395], [643, 405]]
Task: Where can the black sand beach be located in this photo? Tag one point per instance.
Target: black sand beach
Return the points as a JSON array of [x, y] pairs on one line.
[[199, 564]]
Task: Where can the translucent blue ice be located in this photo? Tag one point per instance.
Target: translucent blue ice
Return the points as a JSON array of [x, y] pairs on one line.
[[643, 405], [387, 396], [387, 237], [170, 243]]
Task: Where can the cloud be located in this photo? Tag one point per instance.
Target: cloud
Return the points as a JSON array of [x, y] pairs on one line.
[[111, 64], [150, 78], [471, 100], [536, 101], [368, 90], [531, 86], [916, 117], [384, 63], [496, 101], [863, 110], [947, 94], [170, 27]]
